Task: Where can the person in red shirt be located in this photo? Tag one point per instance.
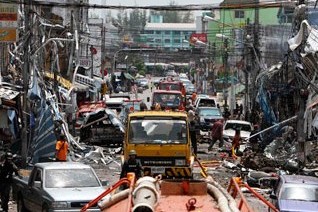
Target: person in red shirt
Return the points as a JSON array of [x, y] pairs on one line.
[[61, 148], [216, 134]]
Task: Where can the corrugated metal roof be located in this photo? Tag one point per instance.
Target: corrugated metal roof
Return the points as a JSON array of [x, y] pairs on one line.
[[8, 93], [171, 26]]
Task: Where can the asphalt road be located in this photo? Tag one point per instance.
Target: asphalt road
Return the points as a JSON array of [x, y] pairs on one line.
[[212, 161]]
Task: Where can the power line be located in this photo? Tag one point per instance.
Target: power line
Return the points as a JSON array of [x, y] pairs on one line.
[[191, 7]]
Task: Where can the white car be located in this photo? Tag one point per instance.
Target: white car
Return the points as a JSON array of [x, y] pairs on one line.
[[229, 130]]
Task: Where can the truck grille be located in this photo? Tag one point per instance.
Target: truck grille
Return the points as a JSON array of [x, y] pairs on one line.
[[80, 204], [159, 161]]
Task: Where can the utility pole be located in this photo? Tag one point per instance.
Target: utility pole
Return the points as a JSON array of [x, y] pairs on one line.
[[255, 66], [103, 51], [303, 96], [92, 50], [225, 65], [26, 68]]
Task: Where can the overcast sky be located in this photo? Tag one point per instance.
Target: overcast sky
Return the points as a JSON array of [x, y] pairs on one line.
[[152, 3], [155, 2]]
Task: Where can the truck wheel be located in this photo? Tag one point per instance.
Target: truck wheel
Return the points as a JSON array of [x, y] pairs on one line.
[[20, 205]]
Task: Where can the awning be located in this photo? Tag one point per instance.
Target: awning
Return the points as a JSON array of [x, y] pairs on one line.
[[128, 76], [8, 93]]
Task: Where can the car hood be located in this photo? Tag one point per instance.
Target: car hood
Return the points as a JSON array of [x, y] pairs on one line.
[[231, 132], [75, 194], [293, 205]]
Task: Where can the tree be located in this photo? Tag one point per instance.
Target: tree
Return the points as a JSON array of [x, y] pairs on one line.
[[133, 23], [174, 16]]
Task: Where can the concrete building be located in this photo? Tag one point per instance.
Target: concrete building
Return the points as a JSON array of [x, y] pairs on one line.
[[169, 36]]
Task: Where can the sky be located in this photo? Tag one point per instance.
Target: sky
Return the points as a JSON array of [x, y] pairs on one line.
[[155, 3]]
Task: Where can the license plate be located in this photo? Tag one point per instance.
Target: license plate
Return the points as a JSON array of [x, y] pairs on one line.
[[157, 170]]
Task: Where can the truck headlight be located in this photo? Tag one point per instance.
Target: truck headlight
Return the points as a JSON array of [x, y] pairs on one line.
[[59, 204], [180, 162]]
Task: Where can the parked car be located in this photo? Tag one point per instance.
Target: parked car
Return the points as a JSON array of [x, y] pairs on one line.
[[142, 83], [229, 130], [57, 186], [296, 193], [205, 101], [207, 116], [190, 88]]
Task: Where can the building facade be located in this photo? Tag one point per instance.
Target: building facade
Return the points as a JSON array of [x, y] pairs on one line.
[[168, 36]]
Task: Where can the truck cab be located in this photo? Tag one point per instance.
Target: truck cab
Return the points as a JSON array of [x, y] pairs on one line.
[[162, 142], [168, 99]]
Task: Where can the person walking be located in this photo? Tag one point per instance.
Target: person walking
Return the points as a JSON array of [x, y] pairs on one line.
[[236, 143], [193, 136], [6, 174], [132, 165], [61, 148], [216, 134]]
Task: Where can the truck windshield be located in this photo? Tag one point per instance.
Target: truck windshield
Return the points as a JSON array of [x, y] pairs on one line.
[[170, 86], [155, 131], [167, 99], [74, 178]]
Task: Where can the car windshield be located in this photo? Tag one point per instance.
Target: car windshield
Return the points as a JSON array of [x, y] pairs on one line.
[[74, 178], [158, 131], [242, 126], [206, 103], [300, 193], [209, 112]]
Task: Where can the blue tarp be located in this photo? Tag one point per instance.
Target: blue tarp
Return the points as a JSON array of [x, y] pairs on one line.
[[269, 115], [43, 143]]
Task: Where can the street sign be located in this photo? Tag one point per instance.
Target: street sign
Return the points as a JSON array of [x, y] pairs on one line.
[[8, 35], [85, 62], [8, 22]]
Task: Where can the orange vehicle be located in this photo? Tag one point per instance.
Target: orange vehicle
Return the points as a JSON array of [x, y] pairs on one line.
[[169, 99], [173, 85]]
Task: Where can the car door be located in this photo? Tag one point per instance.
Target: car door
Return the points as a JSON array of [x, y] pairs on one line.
[[36, 191], [31, 193]]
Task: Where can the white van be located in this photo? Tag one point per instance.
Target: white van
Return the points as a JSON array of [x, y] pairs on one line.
[[205, 101]]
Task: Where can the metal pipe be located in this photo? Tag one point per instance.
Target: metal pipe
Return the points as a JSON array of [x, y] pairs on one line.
[[145, 194]]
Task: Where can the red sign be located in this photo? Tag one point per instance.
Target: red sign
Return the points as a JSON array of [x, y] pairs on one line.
[[8, 16], [198, 37], [105, 72], [93, 50]]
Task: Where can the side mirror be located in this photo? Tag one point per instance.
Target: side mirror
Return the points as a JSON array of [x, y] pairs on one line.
[[148, 99], [37, 184], [273, 196]]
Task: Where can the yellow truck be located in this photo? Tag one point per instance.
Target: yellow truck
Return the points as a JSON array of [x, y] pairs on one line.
[[162, 142]]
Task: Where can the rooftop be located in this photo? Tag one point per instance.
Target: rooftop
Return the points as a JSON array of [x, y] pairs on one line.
[[171, 26]]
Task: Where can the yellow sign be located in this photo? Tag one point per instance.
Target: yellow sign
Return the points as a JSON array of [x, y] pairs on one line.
[[8, 35], [64, 82]]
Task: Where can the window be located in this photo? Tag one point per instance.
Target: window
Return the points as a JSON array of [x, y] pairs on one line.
[[150, 39], [158, 32], [158, 40], [176, 41], [167, 32], [239, 14], [167, 40], [149, 32], [157, 131], [177, 32]]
